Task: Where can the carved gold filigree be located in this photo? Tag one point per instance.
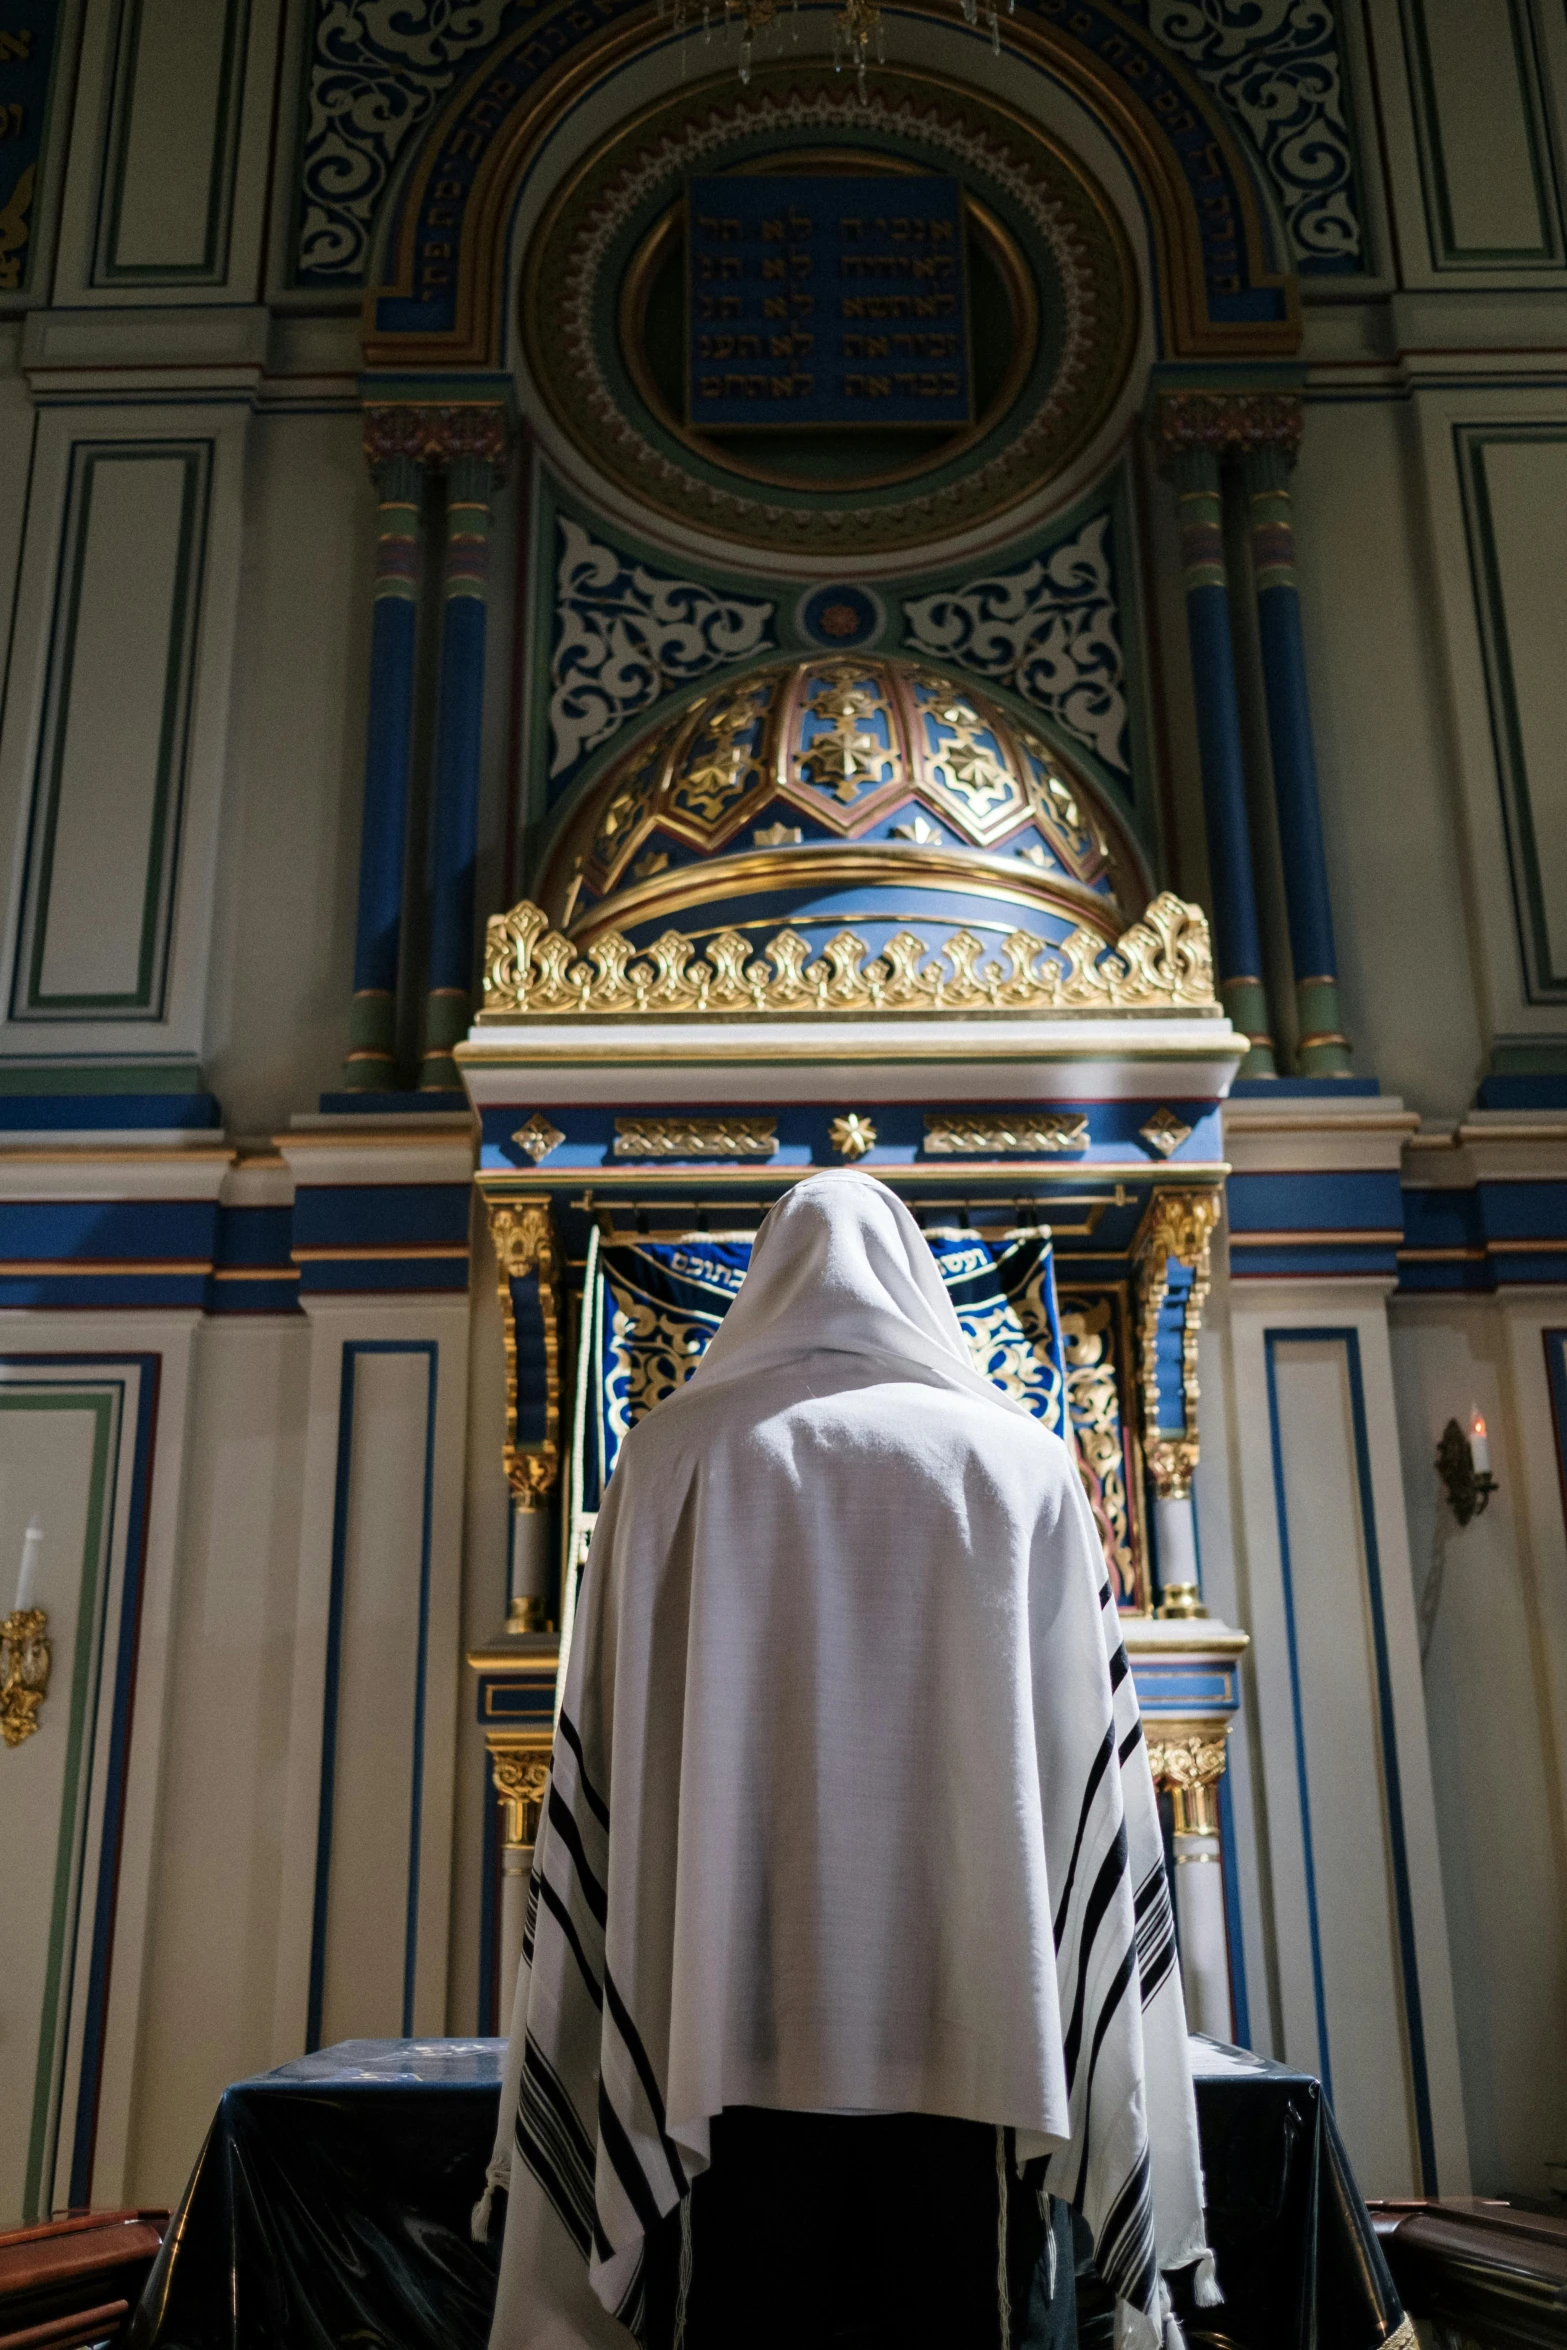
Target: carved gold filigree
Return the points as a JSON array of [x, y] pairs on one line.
[[844, 758], [522, 1776], [1055, 1131], [1163, 963], [1164, 1132], [722, 765], [1178, 1224], [852, 1136], [24, 1672], [524, 1236], [538, 1137], [1093, 1395], [1187, 1766], [695, 1138]]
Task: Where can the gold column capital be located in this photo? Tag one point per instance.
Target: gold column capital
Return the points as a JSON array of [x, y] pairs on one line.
[[520, 1769], [1225, 424], [1187, 1765], [1179, 1222]]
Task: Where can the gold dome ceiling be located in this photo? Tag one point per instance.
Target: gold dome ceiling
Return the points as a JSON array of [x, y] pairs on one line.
[[800, 786]]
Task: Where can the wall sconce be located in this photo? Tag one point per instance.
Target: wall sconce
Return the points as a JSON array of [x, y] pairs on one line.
[[1463, 1462], [24, 1649]]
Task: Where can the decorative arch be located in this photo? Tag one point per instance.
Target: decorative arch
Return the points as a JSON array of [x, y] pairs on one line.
[[1223, 291]]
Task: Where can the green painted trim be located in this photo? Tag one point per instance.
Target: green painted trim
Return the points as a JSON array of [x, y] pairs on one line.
[[84, 1677], [213, 267], [1543, 984], [27, 1078], [146, 999], [1446, 252], [1516, 1058]]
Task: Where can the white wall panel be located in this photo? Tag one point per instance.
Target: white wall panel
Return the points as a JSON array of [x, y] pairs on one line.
[[112, 755], [1491, 191], [219, 1856], [169, 173], [375, 1710]]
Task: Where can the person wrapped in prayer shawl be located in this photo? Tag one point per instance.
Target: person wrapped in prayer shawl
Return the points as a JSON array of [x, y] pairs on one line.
[[849, 1974]]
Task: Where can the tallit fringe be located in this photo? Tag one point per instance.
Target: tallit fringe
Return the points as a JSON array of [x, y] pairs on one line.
[[1136, 2330], [1205, 2284]]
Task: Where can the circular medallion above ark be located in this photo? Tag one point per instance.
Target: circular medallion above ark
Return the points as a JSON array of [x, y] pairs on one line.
[[1037, 347]]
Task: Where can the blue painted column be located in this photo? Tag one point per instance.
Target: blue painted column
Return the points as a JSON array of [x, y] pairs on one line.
[[1323, 1050], [476, 449], [1194, 469], [371, 1066]]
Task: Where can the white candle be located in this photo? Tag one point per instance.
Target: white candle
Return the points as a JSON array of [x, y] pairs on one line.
[[27, 1574], [1479, 1445]]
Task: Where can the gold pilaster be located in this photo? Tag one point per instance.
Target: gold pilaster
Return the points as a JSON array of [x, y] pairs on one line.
[[1178, 1225], [524, 1235]]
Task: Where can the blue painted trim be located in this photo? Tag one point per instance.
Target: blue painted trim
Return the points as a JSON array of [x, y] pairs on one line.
[[381, 1215], [101, 1112], [489, 1907], [1281, 1512], [459, 729], [388, 741], [1223, 782], [1308, 907], [352, 1350], [1556, 1372], [1414, 2026], [1234, 1925], [90, 2084], [1522, 1093], [382, 1276], [1275, 1089]]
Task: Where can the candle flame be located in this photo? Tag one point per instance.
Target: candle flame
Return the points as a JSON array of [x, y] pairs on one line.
[[1477, 1424]]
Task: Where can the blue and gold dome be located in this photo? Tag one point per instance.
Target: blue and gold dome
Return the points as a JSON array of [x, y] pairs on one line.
[[841, 789]]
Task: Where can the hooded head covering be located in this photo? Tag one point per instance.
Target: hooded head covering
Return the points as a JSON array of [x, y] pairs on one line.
[[849, 1807], [840, 1267]]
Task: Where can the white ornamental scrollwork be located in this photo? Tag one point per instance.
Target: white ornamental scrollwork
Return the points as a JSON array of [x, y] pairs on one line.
[[624, 635], [1050, 630], [378, 69], [1276, 64]]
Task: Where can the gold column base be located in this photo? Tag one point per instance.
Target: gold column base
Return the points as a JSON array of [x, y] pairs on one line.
[[1180, 1601]]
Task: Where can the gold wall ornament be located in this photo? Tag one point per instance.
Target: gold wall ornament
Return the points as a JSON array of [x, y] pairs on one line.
[[1162, 963], [851, 1135], [538, 1137], [25, 1658], [1187, 1765], [524, 1235], [1055, 1131], [1178, 1224], [522, 1775], [1164, 1132], [695, 1138]]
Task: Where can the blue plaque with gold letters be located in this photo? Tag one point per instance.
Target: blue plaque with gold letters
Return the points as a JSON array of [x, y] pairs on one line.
[[826, 301]]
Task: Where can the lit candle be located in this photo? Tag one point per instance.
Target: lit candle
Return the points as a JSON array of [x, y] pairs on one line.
[[1479, 1445], [27, 1574]]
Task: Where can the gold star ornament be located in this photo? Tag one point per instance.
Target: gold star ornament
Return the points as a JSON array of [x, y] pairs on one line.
[[852, 1136]]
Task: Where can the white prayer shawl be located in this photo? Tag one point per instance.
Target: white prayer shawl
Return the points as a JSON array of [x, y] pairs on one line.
[[849, 1806]]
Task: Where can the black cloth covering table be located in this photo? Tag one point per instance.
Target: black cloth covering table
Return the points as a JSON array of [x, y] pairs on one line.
[[330, 2207]]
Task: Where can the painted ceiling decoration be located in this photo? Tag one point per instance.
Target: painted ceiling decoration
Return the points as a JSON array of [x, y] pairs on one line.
[[603, 268], [376, 74], [1050, 629], [863, 784], [626, 635], [1226, 281]]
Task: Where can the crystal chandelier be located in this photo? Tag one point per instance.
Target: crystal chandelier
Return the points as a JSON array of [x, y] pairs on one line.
[[857, 27]]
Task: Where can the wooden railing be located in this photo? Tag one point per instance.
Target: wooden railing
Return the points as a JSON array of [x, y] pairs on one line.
[[1479, 2275], [69, 2282]]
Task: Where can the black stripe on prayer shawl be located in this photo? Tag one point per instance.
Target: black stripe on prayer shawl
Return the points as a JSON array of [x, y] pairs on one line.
[[632, 2312], [1111, 1870], [562, 1916], [595, 1802], [555, 2146], [1131, 1742], [633, 2178], [631, 2038], [530, 1915], [570, 1835], [1155, 1931], [1125, 2254], [1100, 1765]]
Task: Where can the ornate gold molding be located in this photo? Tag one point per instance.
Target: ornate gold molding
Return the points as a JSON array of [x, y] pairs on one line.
[[851, 1135], [1178, 1224], [1188, 1767], [1226, 424], [522, 1775], [1163, 963], [695, 1138], [1054, 1130], [538, 1137], [524, 1236], [24, 1672], [1164, 1132]]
